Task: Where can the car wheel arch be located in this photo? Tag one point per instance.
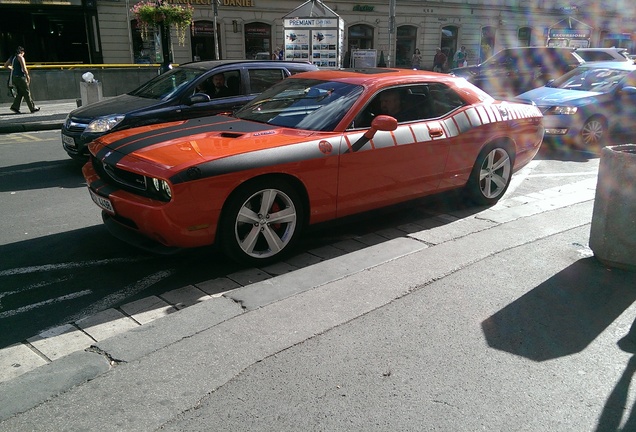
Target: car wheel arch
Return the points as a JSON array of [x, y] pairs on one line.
[[473, 190], [293, 182]]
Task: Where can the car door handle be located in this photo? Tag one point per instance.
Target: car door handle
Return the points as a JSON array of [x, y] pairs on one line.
[[436, 132]]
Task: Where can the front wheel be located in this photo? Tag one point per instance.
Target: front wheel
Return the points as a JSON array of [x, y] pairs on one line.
[[593, 133], [490, 176], [261, 222]]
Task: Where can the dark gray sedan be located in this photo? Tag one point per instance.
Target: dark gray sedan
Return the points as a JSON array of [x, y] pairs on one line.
[[181, 93]]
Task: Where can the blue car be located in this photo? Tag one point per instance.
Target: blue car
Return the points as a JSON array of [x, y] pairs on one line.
[[587, 105]]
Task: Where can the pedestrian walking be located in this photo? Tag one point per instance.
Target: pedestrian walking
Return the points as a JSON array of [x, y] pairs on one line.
[[21, 82], [439, 61], [416, 59]]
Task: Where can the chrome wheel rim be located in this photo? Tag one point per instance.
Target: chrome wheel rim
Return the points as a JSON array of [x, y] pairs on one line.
[[494, 174], [592, 132], [265, 223]]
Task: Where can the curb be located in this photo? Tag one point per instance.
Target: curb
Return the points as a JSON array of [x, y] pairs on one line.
[[31, 126]]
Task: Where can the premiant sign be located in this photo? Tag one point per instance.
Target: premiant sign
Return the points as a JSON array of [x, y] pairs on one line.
[[311, 22]]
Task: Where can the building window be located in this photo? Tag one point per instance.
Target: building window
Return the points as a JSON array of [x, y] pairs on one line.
[[487, 45], [406, 42], [360, 36], [449, 42], [202, 41], [258, 40], [146, 44], [524, 36]]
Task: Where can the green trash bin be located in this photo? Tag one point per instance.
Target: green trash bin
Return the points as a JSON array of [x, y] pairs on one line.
[[613, 231]]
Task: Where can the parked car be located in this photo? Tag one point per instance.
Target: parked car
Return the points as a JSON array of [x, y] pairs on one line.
[[314, 147], [586, 105], [604, 54], [175, 95], [515, 70]]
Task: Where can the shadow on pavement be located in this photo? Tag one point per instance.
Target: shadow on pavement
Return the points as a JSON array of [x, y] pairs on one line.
[[564, 314], [616, 404], [41, 175]]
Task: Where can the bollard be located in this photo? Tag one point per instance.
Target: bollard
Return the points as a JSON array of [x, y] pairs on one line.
[[613, 231], [90, 92]]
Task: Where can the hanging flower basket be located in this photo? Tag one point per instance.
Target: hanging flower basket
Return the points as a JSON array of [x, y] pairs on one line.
[[150, 14]]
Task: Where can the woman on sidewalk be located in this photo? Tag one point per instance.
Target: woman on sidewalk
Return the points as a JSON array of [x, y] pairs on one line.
[[21, 81]]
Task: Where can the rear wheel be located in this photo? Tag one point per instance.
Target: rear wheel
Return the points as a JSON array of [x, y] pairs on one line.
[[261, 222], [490, 176]]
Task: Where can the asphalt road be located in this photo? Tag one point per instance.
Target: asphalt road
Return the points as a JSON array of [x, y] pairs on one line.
[[60, 264]]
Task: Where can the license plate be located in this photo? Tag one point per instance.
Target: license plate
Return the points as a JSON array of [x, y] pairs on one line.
[[69, 141], [102, 202]]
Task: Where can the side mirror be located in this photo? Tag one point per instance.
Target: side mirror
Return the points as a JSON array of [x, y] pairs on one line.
[[383, 123], [198, 98], [629, 90]]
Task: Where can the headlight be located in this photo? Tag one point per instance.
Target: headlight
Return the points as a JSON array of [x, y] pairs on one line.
[[563, 110], [104, 124], [160, 189]]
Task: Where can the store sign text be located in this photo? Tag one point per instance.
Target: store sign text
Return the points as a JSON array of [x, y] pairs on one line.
[[310, 22], [363, 8], [239, 3]]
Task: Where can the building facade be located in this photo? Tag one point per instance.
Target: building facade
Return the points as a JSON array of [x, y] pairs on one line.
[[105, 32]]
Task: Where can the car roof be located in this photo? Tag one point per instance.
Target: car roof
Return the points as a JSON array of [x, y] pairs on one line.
[[628, 66], [383, 75], [603, 49], [211, 64], [377, 78]]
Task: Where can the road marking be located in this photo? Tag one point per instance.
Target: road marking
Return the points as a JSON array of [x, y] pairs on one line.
[[34, 286], [128, 291], [44, 303], [585, 173], [65, 266], [20, 138]]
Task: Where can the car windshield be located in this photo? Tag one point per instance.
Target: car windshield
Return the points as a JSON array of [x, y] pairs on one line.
[[302, 104], [167, 84], [599, 80]]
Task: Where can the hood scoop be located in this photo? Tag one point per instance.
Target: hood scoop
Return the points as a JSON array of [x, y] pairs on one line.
[[231, 134]]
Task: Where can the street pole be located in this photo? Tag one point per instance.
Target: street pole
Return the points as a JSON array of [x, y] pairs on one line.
[[164, 31], [216, 36], [390, 62]]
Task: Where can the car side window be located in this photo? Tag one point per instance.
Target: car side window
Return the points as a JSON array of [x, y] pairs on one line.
[[222, 84], [262, 79], [405, 104], [443, 99]]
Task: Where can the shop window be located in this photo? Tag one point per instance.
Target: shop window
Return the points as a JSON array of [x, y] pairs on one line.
[[360, 36], [146, 44], [449, 42], [258, 40], [406, 42], [202, 41], [524, 36], [487, 44]]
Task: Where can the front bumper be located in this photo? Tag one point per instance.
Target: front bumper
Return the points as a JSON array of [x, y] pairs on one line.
[[153, 225]]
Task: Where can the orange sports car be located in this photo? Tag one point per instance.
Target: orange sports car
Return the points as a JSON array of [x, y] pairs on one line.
[[317, 146]]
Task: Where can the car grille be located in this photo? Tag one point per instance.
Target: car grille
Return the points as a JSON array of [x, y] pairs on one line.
[[131, 182], [75, 126]]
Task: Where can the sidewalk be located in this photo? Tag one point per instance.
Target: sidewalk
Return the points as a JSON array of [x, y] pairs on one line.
[[497, 321], [50, 117]]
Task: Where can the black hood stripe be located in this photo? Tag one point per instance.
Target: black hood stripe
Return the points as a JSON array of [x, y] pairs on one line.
[[268, 157], [130, 144]]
